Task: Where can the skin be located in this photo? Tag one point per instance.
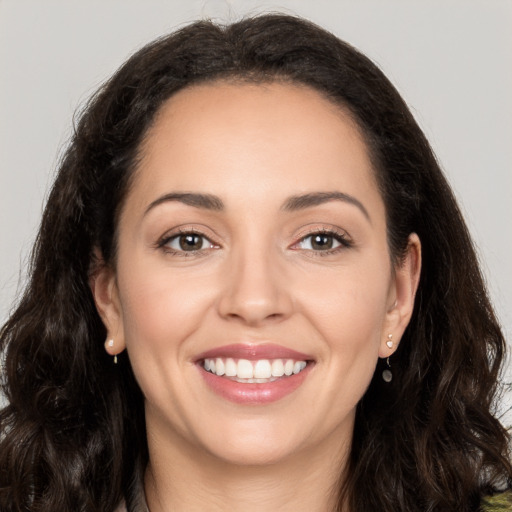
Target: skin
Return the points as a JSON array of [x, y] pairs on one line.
[[256, 279]]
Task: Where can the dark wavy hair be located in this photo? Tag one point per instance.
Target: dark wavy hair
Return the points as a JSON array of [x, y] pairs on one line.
[[72, 436]]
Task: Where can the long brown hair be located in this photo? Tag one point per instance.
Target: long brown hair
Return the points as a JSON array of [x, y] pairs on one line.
[[73, 437]]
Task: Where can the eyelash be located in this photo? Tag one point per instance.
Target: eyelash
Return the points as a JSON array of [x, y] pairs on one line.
[[166, 239], [339, 236]]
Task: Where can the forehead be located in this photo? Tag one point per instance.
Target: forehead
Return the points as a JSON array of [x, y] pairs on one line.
[[247, 105], [253, 139]]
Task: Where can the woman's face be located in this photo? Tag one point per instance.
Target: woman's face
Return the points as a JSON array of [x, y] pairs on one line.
[[252, 245]]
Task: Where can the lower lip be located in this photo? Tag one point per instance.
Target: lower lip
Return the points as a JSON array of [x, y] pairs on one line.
[[254, 394]]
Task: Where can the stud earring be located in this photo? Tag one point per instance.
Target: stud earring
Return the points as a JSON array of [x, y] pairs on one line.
[[387, 376], [389, 343]]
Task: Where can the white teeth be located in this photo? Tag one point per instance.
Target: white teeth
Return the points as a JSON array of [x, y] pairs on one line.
[[254, 381], [244, 369], [297, 367], [230, 368], [277, 368], [262, 370], [219, 367], [288, 367]]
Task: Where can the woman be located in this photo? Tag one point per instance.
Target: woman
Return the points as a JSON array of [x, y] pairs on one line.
[[252, 288]]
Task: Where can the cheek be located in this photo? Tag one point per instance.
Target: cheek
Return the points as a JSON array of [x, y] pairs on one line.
[[349, 306], [348, 312], [160, 307]]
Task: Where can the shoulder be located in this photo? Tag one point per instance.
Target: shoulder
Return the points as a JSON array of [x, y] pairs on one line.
[[498, 503], [121, 508]]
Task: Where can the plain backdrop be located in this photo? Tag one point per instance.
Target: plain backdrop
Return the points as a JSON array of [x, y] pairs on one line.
[[451, 60]]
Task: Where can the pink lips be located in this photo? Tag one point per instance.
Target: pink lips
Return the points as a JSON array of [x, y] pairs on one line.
[[254, 394], [254, 352]]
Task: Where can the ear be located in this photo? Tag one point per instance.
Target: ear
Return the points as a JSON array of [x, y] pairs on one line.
[[103, 284], [401, 298]]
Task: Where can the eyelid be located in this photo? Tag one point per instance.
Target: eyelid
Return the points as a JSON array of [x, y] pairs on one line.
[[185, 230], [340, 235], [344, 239]]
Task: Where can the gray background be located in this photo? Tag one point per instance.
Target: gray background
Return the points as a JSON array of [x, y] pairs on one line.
[[451, 60]]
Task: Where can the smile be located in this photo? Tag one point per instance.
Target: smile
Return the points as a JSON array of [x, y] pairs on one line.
[[259, 371], [250, 374]]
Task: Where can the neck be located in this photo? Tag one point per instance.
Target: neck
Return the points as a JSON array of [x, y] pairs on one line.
[[180, 481]]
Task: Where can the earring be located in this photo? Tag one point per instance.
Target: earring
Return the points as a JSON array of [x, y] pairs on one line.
[[387, 376], [389, 343], [110, 343]]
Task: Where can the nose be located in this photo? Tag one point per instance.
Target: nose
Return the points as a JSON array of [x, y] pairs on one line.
[[256, 290]]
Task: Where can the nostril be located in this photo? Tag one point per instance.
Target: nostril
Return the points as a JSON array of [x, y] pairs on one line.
[[253, 318]]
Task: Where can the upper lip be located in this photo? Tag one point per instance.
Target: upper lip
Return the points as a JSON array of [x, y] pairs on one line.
[[254, 352]]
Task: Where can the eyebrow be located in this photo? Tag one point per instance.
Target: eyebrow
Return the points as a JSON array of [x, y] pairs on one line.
[[304, 201], [294, 203], [205, 201]]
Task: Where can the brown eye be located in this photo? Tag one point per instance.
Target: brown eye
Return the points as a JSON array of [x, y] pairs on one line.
[[188, 242], [320, 242]]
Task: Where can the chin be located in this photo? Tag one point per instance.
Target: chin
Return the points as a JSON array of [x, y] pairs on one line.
[[252, 454], [256, 442]]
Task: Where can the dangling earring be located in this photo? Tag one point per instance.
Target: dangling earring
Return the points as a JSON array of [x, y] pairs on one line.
[[111, 344], [387, 376]]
